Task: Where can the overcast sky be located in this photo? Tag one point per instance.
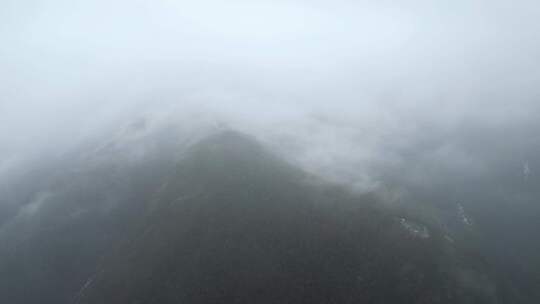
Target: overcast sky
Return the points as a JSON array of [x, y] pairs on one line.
[[337, 84]]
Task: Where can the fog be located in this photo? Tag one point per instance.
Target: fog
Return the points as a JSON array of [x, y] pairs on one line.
[[427, 103], [341, 87], [336, 84]]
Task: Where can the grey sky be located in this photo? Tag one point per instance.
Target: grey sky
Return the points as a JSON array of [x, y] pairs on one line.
[[337, 84]]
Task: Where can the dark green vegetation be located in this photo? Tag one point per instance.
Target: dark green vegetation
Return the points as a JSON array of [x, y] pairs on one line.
[[226, 223]]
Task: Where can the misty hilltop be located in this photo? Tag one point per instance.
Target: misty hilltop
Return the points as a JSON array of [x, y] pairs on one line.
[[306, 151], [221, 219]]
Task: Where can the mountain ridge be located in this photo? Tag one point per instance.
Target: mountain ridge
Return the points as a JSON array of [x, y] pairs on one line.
[[229, 222]]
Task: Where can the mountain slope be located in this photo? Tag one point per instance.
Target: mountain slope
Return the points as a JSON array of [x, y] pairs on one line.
[[233, 224]]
